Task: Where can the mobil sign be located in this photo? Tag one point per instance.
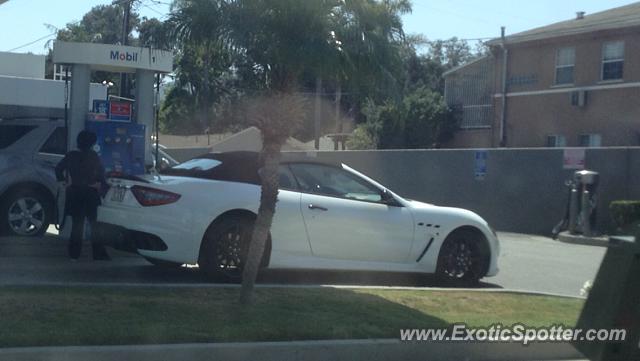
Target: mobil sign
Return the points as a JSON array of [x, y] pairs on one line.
[[120, 111], [123, 56]]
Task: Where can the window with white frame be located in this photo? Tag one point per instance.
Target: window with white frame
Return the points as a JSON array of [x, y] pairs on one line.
[[565, 62], [590, 140], [612, 60], [556, 140]]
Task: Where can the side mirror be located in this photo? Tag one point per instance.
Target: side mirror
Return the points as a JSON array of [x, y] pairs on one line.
[[387, 198], [164, 164]]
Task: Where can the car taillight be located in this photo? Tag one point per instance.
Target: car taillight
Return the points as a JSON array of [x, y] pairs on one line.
[[149, 197]]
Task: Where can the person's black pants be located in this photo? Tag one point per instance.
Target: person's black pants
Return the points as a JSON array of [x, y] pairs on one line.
[[82, 204], [75, 242]]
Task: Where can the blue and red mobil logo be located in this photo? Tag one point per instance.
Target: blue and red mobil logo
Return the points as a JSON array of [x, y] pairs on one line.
[[124, 56]]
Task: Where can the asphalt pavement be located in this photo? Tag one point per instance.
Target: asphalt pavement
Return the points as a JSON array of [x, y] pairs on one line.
[[529, 263]]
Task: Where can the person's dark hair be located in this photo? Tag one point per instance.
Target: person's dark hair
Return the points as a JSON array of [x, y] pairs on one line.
[[86, 140]]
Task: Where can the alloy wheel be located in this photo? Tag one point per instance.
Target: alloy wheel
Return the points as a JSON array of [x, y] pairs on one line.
[[460, 258], [230, 250], [26, 216]]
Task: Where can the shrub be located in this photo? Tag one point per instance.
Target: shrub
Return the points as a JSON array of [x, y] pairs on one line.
[[625, 212]]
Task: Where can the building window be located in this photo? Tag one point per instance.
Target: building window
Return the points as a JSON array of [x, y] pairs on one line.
[[565, 62], [590, 140], [556, 140], [612, 60]]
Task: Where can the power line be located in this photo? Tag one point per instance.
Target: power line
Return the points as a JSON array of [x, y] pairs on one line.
[[160, 2], [154, 10], [33, 42], [162, 15]]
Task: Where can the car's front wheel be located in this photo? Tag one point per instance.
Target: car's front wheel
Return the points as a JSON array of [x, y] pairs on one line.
[[225, 247], [462, 259], [25, 212]]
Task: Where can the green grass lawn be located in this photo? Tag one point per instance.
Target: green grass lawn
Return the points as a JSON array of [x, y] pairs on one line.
[[51, 316]]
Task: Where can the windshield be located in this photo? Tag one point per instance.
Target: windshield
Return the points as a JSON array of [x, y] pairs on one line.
[[198, 164]]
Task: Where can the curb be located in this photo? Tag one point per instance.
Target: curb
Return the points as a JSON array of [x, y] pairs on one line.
[[336, 350], [567, 237], [264, 285]]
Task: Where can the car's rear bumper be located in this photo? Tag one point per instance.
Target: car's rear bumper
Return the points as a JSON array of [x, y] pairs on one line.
[[127, 240], [163, 234]]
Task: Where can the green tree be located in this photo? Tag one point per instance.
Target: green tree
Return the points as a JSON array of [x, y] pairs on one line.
[[102, 24], [279, 38], [177, 114], [428, 119], [204, 60], [154, 33], [351, 42], [421, 120], [451, 52], [371, 39]]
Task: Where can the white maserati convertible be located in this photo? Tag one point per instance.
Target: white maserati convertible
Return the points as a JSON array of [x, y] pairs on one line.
[[328, 217]]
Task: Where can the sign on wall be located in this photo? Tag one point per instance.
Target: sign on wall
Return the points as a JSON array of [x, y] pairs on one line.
[[573, 158], [480, 165]]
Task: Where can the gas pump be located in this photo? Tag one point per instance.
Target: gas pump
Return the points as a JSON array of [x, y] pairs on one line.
[[580, 217], [582, 206], [120, 146]]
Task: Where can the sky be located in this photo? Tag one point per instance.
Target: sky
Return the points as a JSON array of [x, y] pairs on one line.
[[23, 21]]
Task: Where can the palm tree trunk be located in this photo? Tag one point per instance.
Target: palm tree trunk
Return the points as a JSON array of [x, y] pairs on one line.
[[268, 199]]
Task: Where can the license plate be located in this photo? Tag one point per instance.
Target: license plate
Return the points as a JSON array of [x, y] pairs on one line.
[[118, 194]]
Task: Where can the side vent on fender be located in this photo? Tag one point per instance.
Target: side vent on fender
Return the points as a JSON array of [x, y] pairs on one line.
[[425, 250]]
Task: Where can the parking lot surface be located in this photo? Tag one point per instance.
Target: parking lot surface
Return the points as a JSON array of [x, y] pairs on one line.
[[531, 263]]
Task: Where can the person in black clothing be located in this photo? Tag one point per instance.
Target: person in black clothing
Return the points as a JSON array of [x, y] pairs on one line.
[[83, 174]]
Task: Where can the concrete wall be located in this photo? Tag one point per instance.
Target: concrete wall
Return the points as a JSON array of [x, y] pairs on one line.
[[523, 190]]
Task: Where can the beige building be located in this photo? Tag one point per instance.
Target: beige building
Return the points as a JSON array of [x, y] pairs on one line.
[[573, 83]]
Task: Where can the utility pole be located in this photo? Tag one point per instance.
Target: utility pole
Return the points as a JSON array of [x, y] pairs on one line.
[[318, 114], [124, 85]]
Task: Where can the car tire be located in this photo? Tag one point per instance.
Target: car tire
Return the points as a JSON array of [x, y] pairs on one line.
[[225, 247], [162, 263], [25, 213], [462, 259]]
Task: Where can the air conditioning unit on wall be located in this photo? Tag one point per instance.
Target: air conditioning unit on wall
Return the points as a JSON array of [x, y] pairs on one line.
[[579, 98]]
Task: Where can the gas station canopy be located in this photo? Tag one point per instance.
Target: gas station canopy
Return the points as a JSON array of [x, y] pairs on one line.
[[144, 62], [113, 58]]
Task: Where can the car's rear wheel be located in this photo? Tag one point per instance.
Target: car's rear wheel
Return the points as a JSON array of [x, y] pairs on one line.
[[462, 259], [225, 247], [25, 213], [162, 263]]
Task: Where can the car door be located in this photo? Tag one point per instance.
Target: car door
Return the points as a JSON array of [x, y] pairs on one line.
[[346, 217], [288, 233]]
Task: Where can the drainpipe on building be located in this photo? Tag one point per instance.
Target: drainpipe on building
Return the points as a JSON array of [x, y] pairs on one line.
[[503, 117]]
